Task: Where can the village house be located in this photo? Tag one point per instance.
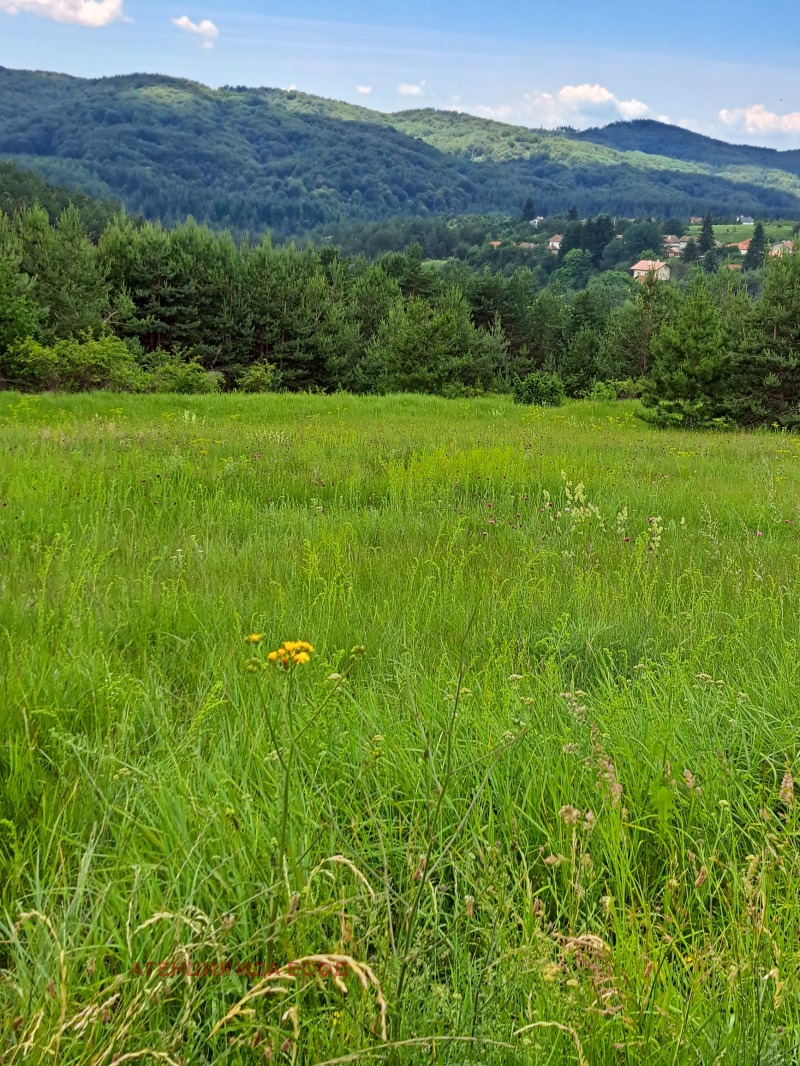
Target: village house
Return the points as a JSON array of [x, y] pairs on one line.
[[742, 246], [645, 267], [782, 247], [554, 244], [673, 246], [696, 220], [495, 244], [746, 220], [526, 245]]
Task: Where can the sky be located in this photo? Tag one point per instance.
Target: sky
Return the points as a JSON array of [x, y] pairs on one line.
[[726, 68]]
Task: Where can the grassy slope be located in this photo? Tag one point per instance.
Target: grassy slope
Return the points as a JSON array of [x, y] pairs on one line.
[[142, 538], [776, 231]]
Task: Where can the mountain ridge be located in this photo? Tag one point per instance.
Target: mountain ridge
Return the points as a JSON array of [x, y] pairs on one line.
[[251, 159]]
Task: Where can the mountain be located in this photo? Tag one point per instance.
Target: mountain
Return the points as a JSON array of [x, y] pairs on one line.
[[251, 159], [659, 138]]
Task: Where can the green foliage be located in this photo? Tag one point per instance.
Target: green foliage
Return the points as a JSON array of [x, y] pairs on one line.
[[757, 249], [73, 365], [71, 288], [290, 162], [691, 380], [540, 389], [19, 316], [420, 348], [259, 377], [604, 391], [185, 378], [21, 190], [706, 242]]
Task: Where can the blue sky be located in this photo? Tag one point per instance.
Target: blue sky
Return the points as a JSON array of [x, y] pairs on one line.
[[722, 67]]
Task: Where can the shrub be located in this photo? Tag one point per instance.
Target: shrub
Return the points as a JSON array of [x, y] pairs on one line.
[[185, 378], [540, 389], [75, 365], [603, 391], [260, 377]]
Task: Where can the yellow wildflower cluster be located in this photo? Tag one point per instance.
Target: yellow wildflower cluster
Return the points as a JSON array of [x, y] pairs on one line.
[[291, 653]]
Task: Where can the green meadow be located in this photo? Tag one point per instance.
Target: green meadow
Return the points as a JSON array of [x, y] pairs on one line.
[[530, 800], [735, 234]]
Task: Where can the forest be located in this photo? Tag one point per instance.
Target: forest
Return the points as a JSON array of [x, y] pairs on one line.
[[144, 308], [255, 159]]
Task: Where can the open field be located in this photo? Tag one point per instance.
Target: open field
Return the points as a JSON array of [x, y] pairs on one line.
[[551, 806], [775, 231]]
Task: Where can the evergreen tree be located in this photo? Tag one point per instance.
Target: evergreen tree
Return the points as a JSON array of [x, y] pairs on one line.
[[691, 252], [767, 356], [528, 211], [757, 249], [691, 379], [706, 242], [710, 261], [19, 317], [71, 288]]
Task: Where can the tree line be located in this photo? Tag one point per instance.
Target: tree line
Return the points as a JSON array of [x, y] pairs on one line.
[[146, 307]]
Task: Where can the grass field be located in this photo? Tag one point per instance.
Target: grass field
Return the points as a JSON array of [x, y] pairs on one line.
[[775, 231], [545, 815]]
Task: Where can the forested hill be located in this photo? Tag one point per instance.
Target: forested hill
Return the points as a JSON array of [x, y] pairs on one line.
[[251, 159], [658, 138]]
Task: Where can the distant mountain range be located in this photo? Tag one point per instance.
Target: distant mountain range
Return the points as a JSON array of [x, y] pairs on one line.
[[251, 159]]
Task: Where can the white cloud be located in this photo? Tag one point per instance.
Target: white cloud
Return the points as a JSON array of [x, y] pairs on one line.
[[758, 120], [412, 89], [78, 12], [205, 29], [573, 105], [365, 90]]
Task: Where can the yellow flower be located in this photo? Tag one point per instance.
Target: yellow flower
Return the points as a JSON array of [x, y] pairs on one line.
[[256, 638], [292, 653]]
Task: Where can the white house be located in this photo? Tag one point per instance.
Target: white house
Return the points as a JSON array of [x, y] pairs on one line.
[[554, 244]]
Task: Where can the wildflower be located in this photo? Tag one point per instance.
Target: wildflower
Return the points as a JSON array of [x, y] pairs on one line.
[[255, 638], [759, 534], [787, 790], [291, 653]]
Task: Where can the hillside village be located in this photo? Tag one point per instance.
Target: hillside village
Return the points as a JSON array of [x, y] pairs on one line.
[[673, 250]]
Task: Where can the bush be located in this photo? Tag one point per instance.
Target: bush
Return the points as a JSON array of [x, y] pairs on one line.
[[260, 377], [603, 391], [185, 378], [540, 389], [74, 365]]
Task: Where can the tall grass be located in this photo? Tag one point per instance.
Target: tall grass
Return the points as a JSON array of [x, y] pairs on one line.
[[547, 816]]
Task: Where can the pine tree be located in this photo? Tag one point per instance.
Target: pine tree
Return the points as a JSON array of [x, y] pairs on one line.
[[757, 249], [19, 316], [690, 252], [767, 360], [70, 286], [692, 377], [706, 242]]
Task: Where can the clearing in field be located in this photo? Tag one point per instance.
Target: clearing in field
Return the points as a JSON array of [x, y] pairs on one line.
[[528, 796]]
